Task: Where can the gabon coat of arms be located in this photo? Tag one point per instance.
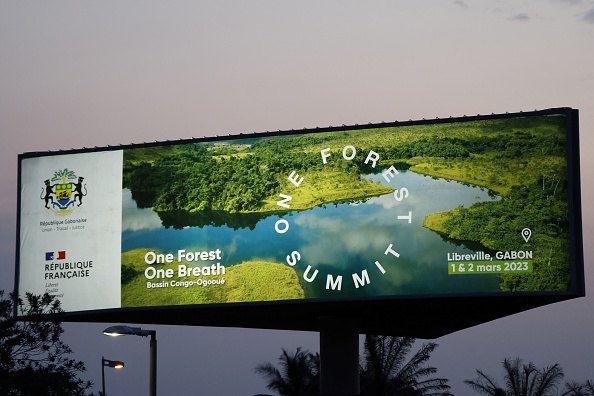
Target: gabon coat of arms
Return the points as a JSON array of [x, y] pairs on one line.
[[62, 197]]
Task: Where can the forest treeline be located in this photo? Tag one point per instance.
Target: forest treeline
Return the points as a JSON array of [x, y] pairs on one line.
[[240, 176], [198, 177]]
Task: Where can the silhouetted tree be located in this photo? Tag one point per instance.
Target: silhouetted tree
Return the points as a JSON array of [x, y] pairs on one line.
[[298, 374], [33, 360], [580, 388], [527, 380], [386, 368]]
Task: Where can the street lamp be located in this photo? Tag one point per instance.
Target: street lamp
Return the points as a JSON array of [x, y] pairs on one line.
[[117, 364], [127, 330]]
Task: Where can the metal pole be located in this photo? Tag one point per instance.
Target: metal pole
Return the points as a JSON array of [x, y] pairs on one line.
[[103, 375], [339, 357], [153, 364]]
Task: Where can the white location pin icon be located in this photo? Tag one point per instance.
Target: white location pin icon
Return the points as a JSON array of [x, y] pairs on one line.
[[526, 233]]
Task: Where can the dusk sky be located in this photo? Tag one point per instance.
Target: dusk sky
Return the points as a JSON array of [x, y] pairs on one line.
[[79, 74]]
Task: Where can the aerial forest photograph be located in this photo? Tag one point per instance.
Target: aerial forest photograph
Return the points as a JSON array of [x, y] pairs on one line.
[[349, 212]]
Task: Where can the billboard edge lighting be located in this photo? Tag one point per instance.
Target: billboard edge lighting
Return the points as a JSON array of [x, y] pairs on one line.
[[463, 221]]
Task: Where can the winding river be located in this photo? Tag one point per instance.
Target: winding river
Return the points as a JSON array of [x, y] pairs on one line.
[[335, 239]]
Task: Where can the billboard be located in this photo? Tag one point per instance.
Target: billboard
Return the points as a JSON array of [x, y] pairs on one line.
[[308, 223]]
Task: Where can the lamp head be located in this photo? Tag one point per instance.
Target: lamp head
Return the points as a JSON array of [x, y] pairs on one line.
[[121, 330], [117, 364]]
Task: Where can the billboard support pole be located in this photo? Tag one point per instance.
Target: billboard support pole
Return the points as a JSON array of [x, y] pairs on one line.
[[153, 364], [339, 356]]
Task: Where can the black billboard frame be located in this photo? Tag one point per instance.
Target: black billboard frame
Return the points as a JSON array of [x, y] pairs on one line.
[[419, 316]]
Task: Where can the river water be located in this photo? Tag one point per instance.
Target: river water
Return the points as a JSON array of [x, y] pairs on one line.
[[337, 240]]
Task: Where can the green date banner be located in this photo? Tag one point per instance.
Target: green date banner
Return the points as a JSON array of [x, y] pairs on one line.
[[489, 267]]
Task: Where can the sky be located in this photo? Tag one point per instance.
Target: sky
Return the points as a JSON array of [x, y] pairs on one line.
[[83, 74]]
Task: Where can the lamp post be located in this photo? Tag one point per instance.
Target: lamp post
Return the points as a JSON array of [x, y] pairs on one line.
[[127, 330], [117, 364]]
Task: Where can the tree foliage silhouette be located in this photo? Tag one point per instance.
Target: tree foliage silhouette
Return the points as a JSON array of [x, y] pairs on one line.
[[387, 369], [527, 380], [580, 388], [33, 359], [298, 374]]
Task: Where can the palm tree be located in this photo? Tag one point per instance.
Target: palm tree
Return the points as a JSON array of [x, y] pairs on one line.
[[385, 369], [299, 374], [580, 389], [589, 387], [525, 380]]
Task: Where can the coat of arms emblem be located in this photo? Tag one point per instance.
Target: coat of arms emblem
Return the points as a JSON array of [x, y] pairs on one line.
[[63, 192]]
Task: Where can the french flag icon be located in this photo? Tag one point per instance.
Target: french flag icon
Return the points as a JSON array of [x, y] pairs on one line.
[[61, 255]]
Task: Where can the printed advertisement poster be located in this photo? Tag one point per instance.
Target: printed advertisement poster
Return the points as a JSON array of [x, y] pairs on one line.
[[426, 209], [70, 231]]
